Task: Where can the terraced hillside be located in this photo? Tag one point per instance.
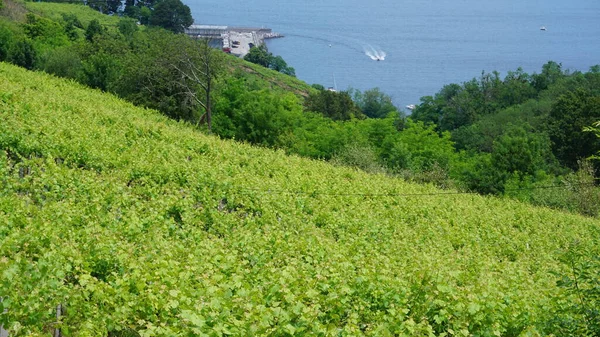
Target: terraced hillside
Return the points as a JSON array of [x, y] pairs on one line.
[[141, 225]]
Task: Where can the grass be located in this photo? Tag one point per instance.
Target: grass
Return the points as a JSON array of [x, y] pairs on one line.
[[85, 14]]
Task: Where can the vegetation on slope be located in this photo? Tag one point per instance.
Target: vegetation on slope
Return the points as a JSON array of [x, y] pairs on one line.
[[515, 136], [141, 225], [56, 11]]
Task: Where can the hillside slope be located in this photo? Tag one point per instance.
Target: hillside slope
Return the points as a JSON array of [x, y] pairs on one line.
[[138, 223]]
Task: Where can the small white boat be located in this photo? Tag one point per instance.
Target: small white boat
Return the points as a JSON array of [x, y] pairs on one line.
[[410, 107], [543, 28]]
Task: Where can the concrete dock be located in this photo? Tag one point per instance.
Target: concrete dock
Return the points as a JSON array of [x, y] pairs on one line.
[[235, 40]]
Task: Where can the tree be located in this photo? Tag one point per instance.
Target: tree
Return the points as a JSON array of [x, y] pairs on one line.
[[94, 28], [99, 71], [71, 22], [23, 53], [551, 72], [335, 105], [127, 27], [199, 65], [261, 56], [374, 103], [595, 128], [6, 38], [278, 64], [520, 152], [569, 116], [172, 15], [173, 74]]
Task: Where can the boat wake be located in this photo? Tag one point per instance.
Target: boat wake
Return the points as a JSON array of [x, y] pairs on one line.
[[376, 54]]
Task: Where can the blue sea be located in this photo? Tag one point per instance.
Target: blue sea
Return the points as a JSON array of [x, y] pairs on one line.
[[424, 44]]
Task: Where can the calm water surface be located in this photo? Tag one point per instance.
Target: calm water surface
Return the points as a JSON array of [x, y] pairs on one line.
[[428, 43]]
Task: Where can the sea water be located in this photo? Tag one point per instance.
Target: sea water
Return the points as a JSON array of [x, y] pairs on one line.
[[425, 44]]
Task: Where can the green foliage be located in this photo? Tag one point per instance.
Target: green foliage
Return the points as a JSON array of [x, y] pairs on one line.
[[332, 104], [359, 156], [595, 128], [6, 40], [551, 73], [128, 27], [172, 15], [100, 71], [574, 192], [455, 106], [45, 31], [261, 56], [259, 117], [72, 25], [521, 152], [84, 14], [106, 6], [142, 225], [418, 147], [93, 29], [23, 53], [170, 75], [374, 103], [578, 311], [62, 62], [569, 116]]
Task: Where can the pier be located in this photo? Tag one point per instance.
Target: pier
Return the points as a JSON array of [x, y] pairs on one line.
[[235, 40]]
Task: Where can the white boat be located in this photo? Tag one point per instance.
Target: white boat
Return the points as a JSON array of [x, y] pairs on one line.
[[410, 107], [543, 28]]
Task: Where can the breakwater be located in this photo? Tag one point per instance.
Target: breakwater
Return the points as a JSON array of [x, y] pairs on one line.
[[235, 40]]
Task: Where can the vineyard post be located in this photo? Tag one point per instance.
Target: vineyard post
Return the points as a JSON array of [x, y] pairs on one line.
[[3, 333], [59, 312]]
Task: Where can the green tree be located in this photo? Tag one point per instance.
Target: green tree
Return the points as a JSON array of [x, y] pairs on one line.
[[6, 39], [335, 105], [257, 116], [127, 27], [520, 152], [569, 116], [259, 55], [94, 28], [71, 24], [63, 62], [278, 64], [551, 73], [374, 103], [106, 6], [595, 129], [23, 53], [172, 15], [100, 71], [199, 65]]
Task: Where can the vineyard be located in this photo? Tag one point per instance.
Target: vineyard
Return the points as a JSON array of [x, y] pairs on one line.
[[142, 226]]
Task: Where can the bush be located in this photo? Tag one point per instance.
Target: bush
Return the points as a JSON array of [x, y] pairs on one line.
[[6, 37], [23, 54], [62, 62], [359, 156]]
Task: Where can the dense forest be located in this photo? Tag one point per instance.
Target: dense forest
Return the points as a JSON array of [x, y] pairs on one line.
[[519, 135]]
